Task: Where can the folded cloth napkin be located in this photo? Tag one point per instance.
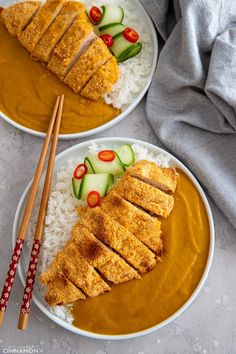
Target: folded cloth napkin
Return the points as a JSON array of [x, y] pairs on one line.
[[191, 103]]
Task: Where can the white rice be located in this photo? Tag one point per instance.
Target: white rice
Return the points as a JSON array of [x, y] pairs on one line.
[[62, 215], [134, 72]]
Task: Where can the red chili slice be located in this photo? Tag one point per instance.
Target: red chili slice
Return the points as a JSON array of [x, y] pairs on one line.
[[95, 14], [107, 39], [80, 171], [93, 199], [131, 35], [106, 155]]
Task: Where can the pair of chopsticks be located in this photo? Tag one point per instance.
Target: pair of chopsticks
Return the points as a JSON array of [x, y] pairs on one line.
[[53, 129]]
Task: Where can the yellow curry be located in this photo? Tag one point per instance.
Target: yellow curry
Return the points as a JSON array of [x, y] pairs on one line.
[[139, 304], [28, 93]]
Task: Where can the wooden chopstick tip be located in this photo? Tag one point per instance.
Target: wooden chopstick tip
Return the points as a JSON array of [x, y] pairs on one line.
[[2, 313], [23, 321], [61, 103]]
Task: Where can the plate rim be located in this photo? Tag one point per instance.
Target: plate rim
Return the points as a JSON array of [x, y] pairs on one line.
[[198, 288], [122, 115]]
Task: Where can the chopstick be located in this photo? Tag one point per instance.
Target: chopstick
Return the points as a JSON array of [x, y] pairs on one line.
[[27, 297], [25, 220]]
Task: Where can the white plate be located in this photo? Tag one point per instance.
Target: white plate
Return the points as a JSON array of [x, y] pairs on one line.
[[142, 14], [81, 149]]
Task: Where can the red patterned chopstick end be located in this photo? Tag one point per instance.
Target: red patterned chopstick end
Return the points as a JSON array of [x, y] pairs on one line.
[[25, 308], [11, 274]]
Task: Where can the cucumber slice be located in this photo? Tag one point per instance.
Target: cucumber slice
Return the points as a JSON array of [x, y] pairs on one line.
[[111, 14], [99, 183], [76, 186], [112, 29], [114, 167], [130, 52], [126, 154], [123, 49], [89, 166]]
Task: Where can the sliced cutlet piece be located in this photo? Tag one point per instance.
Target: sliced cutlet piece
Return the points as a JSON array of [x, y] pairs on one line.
[[109, 264], [69, 11], [163, 178], [63, 292], [73, 44], [102, 81], [142, 225], [60, 290], [88, 63], [146, 196], [121, 240], [17, 16], [78, 271], [30, 37]]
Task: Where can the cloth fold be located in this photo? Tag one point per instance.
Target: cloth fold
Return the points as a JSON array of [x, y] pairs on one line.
[[191, 103]]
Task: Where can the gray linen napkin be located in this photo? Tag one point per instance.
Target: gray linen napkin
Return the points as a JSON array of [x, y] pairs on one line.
[[191, 103]]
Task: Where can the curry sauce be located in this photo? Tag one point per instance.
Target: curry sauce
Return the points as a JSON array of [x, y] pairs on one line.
[[139, 304], [28, 92]]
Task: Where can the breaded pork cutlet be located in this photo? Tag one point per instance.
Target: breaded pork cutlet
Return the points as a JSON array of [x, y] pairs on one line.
[[88, 63], [74, 267], [60, 290], [102, 81], [109, 264], [142, 225], [163, 178], [63, 292], [121, 240], [69, 11], [144, 195], [17, 16], [73, 44], [32, 34]]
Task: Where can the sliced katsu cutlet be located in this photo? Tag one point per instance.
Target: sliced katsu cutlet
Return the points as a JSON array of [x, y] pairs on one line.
[[121, 240], [63, 292], [17, 16], [60, 290], [109, 264], [32, 34], [69, 11], [72, 45], [144, 195], [163, 178], [102, 81], [142, 225], [74, 267], [88, 63]]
